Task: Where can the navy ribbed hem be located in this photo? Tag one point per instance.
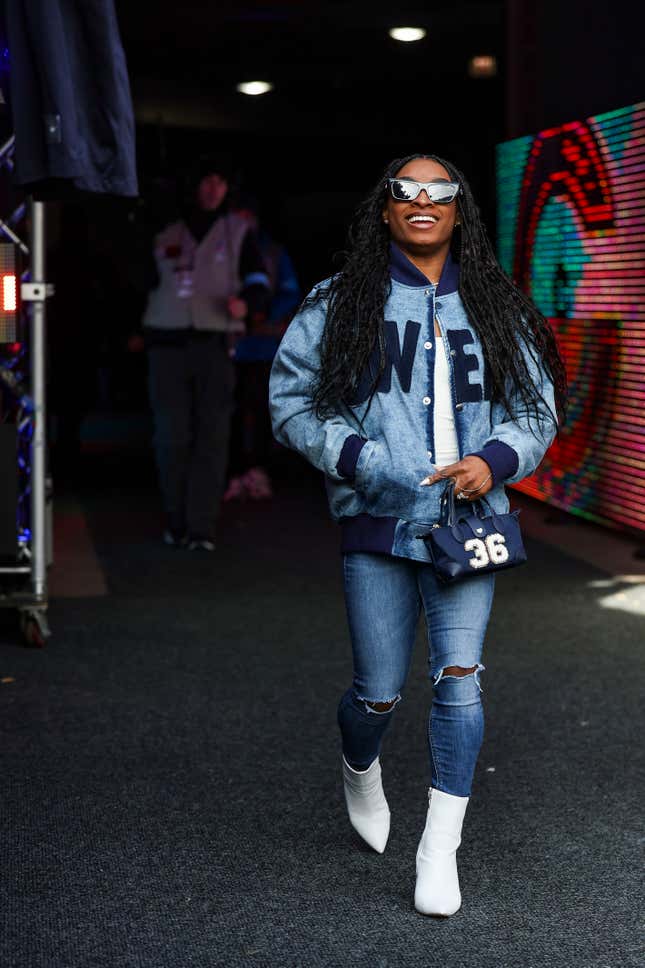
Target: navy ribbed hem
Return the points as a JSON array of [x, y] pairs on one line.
[[346, 465], [501, 458], [365, 533]]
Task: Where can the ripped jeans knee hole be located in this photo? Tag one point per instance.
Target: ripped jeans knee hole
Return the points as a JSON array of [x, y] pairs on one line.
[[379, 707], [465, 673]]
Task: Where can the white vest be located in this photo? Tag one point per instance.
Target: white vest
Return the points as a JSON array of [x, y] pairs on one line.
[[215, 276]]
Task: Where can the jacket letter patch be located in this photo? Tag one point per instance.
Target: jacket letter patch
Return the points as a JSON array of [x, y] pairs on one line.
[[402, 360], [464, 365]]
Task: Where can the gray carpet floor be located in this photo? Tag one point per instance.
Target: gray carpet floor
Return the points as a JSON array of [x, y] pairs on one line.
[[171, 792]]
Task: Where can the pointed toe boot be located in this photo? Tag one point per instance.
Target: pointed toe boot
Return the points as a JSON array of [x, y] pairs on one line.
[[437, 887], [367, 807]]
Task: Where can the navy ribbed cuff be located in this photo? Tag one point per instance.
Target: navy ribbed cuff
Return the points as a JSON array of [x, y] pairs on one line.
[[352, 447], [502, 460]]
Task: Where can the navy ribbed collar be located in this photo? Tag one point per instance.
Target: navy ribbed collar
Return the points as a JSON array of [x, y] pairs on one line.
[[406, 272]]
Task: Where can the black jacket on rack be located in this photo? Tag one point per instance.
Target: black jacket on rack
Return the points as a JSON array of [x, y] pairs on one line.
[[70, 97]]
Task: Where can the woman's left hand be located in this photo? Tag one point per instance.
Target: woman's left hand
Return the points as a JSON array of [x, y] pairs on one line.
[[472, 477]]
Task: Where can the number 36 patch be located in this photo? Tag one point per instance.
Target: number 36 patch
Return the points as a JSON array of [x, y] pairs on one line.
[[491, 550]]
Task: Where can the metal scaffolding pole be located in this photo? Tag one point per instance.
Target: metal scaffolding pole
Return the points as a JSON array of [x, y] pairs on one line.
[[38, 468]]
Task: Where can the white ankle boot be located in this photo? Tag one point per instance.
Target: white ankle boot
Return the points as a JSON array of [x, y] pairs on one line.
[[437, 888], [368, 811]]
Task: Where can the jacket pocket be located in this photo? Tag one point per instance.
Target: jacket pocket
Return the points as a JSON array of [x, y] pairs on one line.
[[390, 484], [366, 474]]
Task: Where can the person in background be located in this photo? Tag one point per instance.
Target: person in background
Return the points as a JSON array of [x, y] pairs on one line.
[[251, 435], [209, 276]]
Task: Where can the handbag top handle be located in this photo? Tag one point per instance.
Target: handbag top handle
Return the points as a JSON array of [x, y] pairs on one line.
[[448, 507]]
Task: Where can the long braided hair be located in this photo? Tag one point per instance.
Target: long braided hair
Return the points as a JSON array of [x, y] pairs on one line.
[[505, 319]]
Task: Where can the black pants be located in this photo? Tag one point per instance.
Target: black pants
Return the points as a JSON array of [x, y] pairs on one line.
[[191, 394], [251, 437]]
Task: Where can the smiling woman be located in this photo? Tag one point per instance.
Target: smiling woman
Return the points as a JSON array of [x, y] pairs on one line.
[[418, 362], [421, 207]]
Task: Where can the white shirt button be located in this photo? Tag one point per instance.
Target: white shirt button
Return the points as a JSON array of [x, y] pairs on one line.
[[428, 292], [427, 345], [426, 401], [430, 454]]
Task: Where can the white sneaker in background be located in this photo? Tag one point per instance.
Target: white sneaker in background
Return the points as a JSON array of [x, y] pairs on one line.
[[257, 484], [236, 489], [201, 544]]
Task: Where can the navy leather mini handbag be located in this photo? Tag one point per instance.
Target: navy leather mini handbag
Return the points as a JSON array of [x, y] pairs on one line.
[[466, 542]]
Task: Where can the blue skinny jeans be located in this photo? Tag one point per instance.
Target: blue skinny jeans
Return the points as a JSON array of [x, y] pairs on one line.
[[384, 596]]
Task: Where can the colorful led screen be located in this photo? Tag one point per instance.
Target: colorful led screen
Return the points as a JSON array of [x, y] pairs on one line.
[[571, 231]]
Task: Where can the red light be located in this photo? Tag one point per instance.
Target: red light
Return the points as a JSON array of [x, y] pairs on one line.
[[9, 304]]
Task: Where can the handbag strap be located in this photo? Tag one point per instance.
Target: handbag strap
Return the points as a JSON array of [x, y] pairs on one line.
[[448, 508], [492, 515]]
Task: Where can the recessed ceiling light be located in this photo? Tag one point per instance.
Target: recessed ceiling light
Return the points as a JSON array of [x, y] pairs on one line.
[[483, 65], [255, 87], [407, 34]]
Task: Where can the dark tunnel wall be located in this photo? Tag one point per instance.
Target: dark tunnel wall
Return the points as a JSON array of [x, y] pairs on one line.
[[571, 60]]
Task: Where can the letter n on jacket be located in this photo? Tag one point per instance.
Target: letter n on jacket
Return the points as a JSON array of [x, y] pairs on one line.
[[401, 359]]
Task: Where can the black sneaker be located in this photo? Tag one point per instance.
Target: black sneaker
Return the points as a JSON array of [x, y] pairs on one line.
[[174, 539]]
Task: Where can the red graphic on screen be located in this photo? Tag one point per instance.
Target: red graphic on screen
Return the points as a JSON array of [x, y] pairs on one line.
[[563, 161]]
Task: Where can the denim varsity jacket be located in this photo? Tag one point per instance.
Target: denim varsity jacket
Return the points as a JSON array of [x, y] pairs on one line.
[[373, 469]]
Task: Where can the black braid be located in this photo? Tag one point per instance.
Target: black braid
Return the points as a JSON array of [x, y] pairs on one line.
[[504, 317]]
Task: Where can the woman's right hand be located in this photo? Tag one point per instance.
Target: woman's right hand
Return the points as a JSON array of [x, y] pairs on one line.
[[472, 476]]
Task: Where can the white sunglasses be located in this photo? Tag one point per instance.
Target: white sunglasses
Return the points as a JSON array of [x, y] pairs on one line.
[[406, 190]]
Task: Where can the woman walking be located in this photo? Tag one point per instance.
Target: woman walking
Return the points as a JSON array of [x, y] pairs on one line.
[[420, 361]]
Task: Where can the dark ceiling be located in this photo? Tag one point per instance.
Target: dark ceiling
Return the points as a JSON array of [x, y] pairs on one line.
[[333, 64], [347, 99]]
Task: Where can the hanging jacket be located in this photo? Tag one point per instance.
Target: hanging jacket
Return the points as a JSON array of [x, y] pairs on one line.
[[70, 96], [374, 459]]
